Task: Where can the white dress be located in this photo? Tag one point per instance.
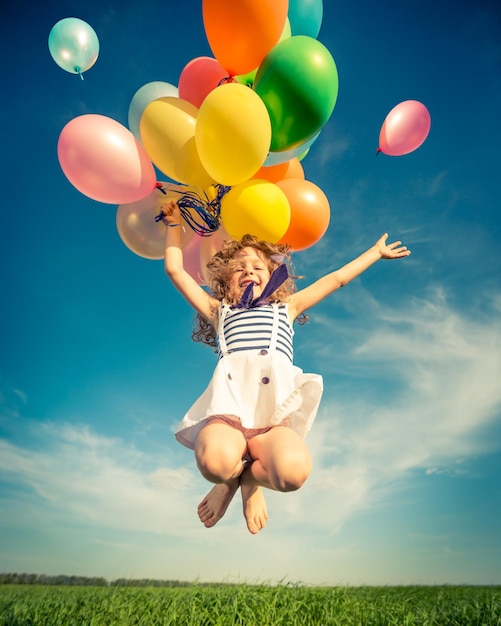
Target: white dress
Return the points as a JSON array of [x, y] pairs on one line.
[[258, 385]]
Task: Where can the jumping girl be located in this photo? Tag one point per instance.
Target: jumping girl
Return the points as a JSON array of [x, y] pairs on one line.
[[247, 429]]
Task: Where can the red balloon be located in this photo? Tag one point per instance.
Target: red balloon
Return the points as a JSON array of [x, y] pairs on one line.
[[405, 128], [310, 213], [199, 77]]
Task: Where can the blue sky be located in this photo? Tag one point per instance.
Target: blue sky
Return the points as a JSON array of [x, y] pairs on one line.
[[96, 361]]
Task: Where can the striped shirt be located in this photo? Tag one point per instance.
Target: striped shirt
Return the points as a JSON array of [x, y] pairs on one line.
[[250, 329]]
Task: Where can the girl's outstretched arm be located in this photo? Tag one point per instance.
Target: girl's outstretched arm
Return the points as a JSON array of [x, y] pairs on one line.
[[199, 299], [320, 289]]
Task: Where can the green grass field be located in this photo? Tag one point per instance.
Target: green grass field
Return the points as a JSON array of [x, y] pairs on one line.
[[249, 605]]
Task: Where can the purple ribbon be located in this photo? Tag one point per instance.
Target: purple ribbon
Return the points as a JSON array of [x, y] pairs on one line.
[[277, 278]]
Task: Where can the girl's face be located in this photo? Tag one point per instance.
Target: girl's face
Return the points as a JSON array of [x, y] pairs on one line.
[[251, 268]]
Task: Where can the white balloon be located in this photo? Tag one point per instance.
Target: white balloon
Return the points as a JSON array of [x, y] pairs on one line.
[[138, 229]]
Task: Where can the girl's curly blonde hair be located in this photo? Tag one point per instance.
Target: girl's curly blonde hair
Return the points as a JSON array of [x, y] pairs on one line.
[[221, 268]]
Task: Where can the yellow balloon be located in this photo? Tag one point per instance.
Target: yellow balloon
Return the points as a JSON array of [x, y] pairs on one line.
[[167, 130], [256, 207], [233, 133]]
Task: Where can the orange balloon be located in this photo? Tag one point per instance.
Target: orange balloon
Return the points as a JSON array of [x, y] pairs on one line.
[[310, 213], [295, 169], [242, 32], [281, 171]]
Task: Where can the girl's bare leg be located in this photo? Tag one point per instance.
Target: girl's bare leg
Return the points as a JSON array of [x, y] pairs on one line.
[[253, 502], [214, 505], [282, 462], [282, 459], [219, 450]]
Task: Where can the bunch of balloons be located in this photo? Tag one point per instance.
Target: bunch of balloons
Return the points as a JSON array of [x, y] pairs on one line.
[[241, 120]]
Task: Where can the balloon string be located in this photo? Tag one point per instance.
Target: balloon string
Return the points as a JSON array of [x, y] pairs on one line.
[[202, 216], [78, 71]]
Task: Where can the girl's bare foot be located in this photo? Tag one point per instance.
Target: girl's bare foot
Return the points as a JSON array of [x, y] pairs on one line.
[[214, 505], [254, 504]]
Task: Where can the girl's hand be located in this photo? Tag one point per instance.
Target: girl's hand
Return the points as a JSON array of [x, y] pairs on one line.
[[393, 250], [171, 213]]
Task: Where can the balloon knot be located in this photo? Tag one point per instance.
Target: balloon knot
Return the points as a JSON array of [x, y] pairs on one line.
[[378, 151], [159, 186], [225, 79]]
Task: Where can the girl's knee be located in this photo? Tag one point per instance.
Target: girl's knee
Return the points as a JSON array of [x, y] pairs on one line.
[[291, 480], [284, 456], [218, 469], [219, 449], [292, 470], [218, 463]]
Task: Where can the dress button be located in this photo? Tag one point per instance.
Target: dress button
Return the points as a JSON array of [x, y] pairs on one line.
[[265, 380], [263, 352]]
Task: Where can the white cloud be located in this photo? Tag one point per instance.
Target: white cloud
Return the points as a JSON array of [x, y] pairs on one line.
[[11, 400], [435, 185], [84, 477], [424, 394], [332, 147]]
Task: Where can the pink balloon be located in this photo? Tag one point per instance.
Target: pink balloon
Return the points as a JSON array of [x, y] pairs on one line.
[[209, 246], [104, 161], [405, 128], [199, 78], [191, 257]]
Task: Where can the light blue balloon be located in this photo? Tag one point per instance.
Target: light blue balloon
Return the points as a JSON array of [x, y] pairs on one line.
[[274, 158], [143, 97], [305, 17], [74, 45]]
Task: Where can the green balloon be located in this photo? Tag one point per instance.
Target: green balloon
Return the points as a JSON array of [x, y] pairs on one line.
[[298, 83], [246, 79]]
